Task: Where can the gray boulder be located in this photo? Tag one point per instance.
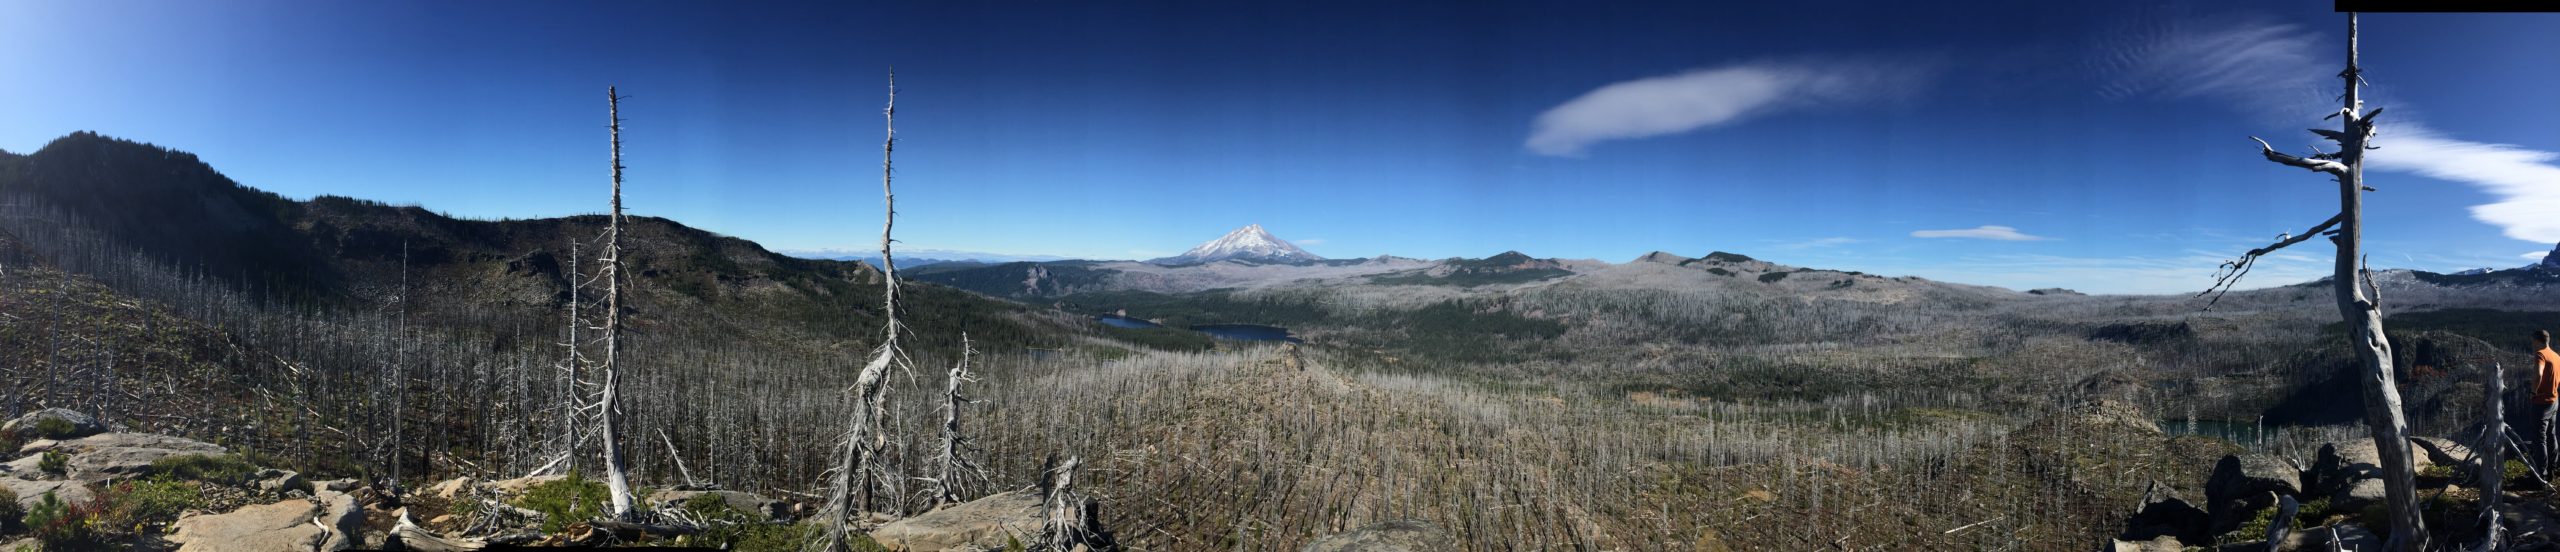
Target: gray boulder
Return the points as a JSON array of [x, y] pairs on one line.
[[520, 484], [274, 527], [2355, 496], [746, 503], [986, 523], [2162, 544], [1402, 535], [80, 425], [282, 481], [345, 519], [30, 492]]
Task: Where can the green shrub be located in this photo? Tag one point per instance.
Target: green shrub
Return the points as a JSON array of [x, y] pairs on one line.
[[565, 501], [134, 507], [726, 527], [59, 526], [53, 428], [54, 462], [223, 469], [10, 512]]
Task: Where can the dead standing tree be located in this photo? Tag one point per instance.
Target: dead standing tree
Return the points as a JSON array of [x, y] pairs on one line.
[[954, 473], [608, 401], [2359, 299], [860, 466]]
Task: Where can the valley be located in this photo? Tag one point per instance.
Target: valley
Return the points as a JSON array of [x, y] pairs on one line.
[[1509, 402]]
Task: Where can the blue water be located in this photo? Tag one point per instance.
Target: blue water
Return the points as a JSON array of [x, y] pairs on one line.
[[1131, 323], [1246, 332]]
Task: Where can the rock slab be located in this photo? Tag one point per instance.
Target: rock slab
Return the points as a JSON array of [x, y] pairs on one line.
[[274, 527], [987, 523], [81, 425]]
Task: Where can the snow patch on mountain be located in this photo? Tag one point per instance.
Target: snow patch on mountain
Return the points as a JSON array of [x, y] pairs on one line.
[[1250, 243]]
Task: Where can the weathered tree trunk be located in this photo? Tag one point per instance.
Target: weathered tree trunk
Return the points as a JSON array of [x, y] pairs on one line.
[[615, 478], [2492, 465], [2359, 301], [954, 473], [859, 465], [2363, 315]]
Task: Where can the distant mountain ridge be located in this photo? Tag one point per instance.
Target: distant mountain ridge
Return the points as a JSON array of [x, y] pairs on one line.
[[917, 257], [1250, 243]]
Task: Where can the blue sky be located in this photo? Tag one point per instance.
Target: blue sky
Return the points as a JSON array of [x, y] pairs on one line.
[[2031, 144]]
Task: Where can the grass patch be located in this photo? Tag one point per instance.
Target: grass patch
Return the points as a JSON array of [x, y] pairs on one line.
[[224, 469], [565, 501]]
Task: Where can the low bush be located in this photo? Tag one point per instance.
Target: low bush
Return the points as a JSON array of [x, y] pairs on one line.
[[219, 469], [54, 462], [59, 527], [10, 513], [136, 507], [52, 428], [565, 501]]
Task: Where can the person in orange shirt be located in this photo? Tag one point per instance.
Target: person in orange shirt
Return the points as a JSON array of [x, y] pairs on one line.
[[2546, 396]]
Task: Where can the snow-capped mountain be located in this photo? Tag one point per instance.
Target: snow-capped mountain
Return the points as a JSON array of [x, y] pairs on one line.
[[1250, 243]]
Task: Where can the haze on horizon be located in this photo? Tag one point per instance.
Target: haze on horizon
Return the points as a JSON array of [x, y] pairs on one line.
[[2100, 148]]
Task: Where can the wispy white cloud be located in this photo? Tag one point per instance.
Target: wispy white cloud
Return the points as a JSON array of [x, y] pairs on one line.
[[2525, 182], [1701, 98], [1985, 232], [2536, 256], [2270, 68], [1308, 241], [2284, 70]]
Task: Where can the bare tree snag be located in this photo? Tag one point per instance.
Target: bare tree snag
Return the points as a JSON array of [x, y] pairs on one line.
[[954, 473], [2492, 464], [1070, 521], [859, 467], [609, 402], [2358, 298]]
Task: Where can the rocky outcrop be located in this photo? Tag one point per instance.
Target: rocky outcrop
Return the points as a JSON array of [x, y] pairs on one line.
[[986, 523], [1389, 536], [73, 424], [281, 482], [279, 527], [29, 492], [518, 485], [449, 488], [407, 535], [344, 517], [108, 456]]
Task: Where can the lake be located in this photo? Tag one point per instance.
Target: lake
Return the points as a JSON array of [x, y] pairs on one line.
[[1126, 322]]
